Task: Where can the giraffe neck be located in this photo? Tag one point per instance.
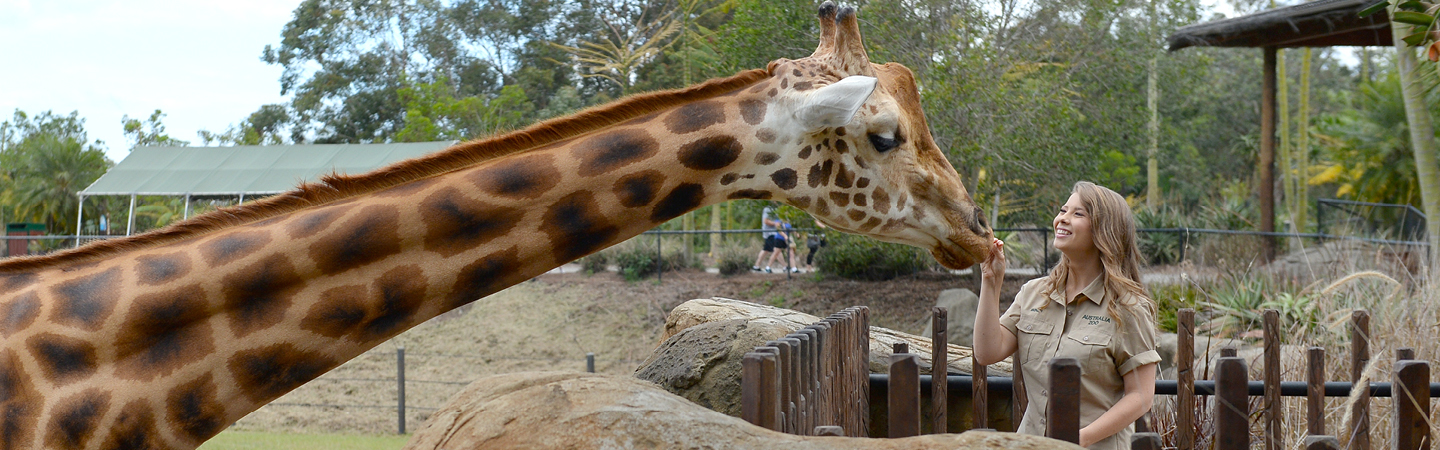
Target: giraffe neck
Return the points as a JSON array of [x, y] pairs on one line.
[[167, 345]]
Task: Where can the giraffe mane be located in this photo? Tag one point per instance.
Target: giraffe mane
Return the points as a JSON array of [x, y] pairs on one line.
[[335, 187]]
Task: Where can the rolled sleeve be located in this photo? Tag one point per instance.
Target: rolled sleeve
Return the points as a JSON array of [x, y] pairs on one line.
[[1137, 344]]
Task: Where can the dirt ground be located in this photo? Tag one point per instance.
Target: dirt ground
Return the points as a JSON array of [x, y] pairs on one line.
[[550, 323]]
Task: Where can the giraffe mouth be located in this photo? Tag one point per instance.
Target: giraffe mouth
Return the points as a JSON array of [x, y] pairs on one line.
[[959, 254]]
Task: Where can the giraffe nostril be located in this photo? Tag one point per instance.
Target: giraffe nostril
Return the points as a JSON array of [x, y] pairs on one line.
[[978, 225]]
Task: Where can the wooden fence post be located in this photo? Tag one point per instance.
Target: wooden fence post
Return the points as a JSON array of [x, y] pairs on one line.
[[1274, 417], [862, 369], [829, 430], [1062, 413], [979, 394], [1232, 406], [758, 400], [1145, 441], [904, 395], [1315, 392], [1018, 398], [939, 372], [400, 385], [784, 384], [1359, 427], [1185, 380], [1411, 392]]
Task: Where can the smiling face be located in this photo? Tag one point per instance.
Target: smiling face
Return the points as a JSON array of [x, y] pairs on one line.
[[859, 152], [1073, 233]]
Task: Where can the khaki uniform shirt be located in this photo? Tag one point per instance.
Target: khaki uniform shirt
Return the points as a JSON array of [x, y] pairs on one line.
[[1085, 331]]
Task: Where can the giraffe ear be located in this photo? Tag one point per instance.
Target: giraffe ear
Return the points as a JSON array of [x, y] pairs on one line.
[[834, 105]]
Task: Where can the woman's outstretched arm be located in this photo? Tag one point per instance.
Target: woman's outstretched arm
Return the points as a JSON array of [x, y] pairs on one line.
[[992, 341]]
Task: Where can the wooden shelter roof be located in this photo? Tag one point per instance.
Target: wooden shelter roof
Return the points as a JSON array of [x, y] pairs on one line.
[[1321, 23]]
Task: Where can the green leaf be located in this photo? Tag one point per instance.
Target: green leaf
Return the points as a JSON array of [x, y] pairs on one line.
[[1414, 40], [1374, 9], [1413, 5], [1413, 18]]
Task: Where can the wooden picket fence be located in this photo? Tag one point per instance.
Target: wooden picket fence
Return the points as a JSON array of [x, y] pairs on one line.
[[816, 382]]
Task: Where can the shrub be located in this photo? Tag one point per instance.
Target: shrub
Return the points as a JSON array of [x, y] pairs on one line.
[[595, 263], [734, 258], [862, 258], [1159, 248]]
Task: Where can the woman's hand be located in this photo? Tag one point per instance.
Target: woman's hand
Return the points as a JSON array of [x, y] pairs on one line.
[[992, 269]]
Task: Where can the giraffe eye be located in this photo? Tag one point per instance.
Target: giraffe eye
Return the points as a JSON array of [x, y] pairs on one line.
[[884, 143]]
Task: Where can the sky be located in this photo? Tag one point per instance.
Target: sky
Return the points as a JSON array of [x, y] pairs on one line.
[[196, 60]]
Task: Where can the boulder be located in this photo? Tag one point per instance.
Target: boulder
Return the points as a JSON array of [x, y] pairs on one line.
[[569, 410], [882, 340], [960, 307], [703, 362]]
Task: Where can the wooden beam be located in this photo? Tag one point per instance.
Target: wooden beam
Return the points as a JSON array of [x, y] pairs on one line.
[[1266, 189]]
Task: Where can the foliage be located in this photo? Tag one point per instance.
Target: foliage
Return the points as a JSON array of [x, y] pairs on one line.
[[1169, 298], [1159, 248], [595, 263], [1367, 152], [860, 258], [733, 259], [1420, 16], [44, 162], [150, 132]]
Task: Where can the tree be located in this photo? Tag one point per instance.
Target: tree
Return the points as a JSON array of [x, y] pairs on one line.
[[151, 132], [46, 163], [1422, 133]]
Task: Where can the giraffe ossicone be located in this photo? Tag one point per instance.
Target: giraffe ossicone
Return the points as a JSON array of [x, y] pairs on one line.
[[163, 339]]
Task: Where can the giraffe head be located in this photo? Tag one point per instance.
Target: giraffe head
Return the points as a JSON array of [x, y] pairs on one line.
[[856, 150]]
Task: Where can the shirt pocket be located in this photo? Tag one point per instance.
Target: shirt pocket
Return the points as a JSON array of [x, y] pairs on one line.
[[1035, 336], [1092, 348]]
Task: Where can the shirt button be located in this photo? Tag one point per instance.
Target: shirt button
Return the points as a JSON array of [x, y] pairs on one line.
[[1086, 339]]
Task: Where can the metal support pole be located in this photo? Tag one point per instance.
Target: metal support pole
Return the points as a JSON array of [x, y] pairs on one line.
[[400, 385], [79, 218], [186, 214], [590, 362], [659, 256], [130, 218]]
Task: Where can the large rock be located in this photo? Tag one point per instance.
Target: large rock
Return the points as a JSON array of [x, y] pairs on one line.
[[555, 410], [882, 340], [703, 362], [959, 307]]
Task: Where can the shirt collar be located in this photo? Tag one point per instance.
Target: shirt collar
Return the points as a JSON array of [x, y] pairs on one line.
[[1095, 292]]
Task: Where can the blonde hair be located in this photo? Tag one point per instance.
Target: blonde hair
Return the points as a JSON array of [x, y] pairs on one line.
[[1112, 226]]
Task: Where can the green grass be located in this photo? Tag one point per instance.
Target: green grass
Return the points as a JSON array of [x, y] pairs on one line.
[[246, 440]]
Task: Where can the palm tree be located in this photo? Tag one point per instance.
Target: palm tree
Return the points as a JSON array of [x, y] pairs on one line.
[[52, 171]]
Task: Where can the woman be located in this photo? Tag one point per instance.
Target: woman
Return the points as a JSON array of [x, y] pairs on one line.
[[1091, 307]]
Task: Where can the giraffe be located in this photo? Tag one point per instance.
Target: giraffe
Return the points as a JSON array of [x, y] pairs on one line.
[[162, 339]]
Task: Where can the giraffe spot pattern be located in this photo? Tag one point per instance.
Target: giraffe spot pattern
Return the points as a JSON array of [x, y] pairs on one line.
[[759, 87], [311, 222], [805, 153], [19, 407], [841, 146], [86, 301], [402, 293], [729, 178], [10, 282], [484, 277], [870, 224], [859, 199], [822, 207], [840, 131], [784, 83], [882, 200], [863, 182], [134, 429], [154, 270], [710, 153], [855, 215], [19, 313], [232, 246], [576, 227], [844, 178], [752, 111], [772, 92], [753, 194], [860, 162], [257, 296], [455, 223], [162, 333], [804, 86], [766, 158], [264, 373], [796, 72], [801, 202], [370, 236], [682, 199], [840, 199], [816, 176], [613, 150], [339, 312], [639, 189], [525, 177], [765, 135], [785, 178], [75, 419], [695, 116], [194, 409]]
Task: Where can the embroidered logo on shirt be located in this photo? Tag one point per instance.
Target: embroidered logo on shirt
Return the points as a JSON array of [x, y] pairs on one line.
[[1095, 320]]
